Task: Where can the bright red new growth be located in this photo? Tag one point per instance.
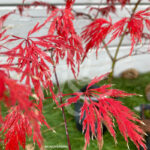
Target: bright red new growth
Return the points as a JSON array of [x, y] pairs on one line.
[[96, 32], [23, 117], [104, 110], [62, 25]]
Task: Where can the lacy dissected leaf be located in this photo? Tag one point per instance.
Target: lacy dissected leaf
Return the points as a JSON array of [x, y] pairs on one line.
[[136, 26], [23, 119], [15, 127], [109, 108], [104, 110], [109, 8], [2, 32], [96, 80], [62, 25], [95, 33], [33, 60], [117, 29], [18, 124], [14, 93]]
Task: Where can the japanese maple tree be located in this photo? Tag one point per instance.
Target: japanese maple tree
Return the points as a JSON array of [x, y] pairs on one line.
[[35, 59]]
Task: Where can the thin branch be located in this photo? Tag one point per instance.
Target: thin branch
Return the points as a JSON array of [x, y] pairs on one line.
[[63, 111], [61, 101], [135, 54], [107, 50], [83, 14]]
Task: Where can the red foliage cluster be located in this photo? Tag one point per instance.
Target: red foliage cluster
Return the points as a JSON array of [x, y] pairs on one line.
[[10, 96], [33, 57], [18, 124], [105, 111], [32, 64], [136, 26], [32, 61], [62, 25], [97, 31], [23, 118]]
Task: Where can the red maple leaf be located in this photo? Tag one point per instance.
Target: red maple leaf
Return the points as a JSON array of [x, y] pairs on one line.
[[62, 25], [95, 33], [103, 110], [136, 26], [32, 60], [2, 84], [24, 117], [12, 92], [118, 28], [18, 124], [15, 127]]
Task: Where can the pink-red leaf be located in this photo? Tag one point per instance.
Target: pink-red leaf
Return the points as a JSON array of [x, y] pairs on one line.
[[95, 33], [105, 110]]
